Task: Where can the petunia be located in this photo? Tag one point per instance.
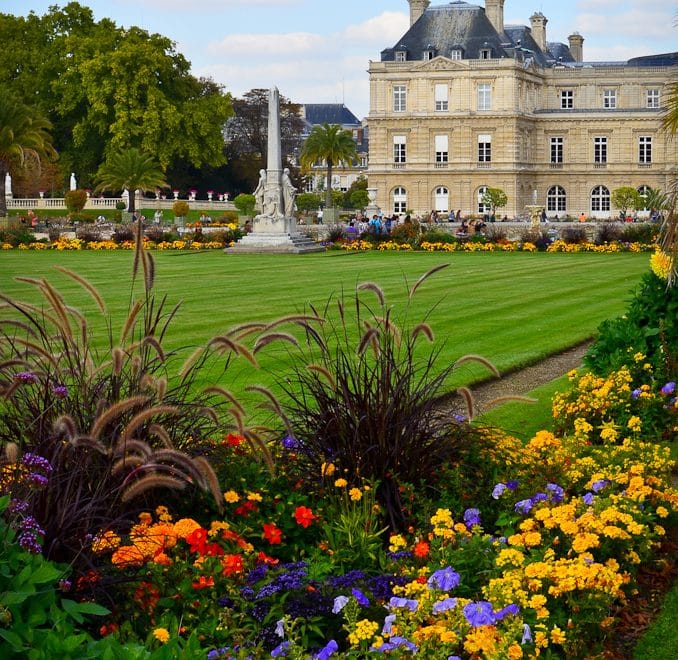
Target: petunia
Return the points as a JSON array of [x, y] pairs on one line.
[[512, 484], [280, 628], [524, 506], [406, 603], [360, 597], [288, 442], [444, 579], [389, 620], [588, 498], [339, 604], [597, 486], [527, 634], [479, 614], [281, 650], [511, 609], [669, 388], [556, 491], [499, 490], [327, 651], [444, 605]]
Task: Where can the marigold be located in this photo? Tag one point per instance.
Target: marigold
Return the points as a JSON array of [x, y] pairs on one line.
[[184, 527], [231, 497], [341, 483], [161, 634], [355, 494]]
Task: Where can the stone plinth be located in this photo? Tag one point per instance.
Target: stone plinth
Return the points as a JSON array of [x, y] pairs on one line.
[[274, 242]]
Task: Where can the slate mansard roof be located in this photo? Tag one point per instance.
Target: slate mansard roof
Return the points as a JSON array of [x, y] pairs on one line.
[[329, 113], [461, 26]]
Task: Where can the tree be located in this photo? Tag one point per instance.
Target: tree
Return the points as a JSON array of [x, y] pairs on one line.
[[495, 198], [356, 196], [245, 203], [246, 136], [22, 132], [333, 145], [627, 197], [308, 201], [130, 169]]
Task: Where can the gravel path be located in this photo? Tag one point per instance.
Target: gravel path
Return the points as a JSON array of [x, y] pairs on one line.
[[521, 381]]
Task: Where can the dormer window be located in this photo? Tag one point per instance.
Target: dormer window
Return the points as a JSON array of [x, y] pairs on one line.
[[401, 54], [485, 53], [455, 54], [430, 52]]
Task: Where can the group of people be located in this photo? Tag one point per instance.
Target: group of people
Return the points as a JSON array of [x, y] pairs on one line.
[[473, 227]]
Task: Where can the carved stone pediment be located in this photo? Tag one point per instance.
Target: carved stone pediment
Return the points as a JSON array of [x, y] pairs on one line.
[[441, 63]]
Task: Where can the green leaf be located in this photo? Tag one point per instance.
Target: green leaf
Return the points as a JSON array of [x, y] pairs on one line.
[[14, 639]]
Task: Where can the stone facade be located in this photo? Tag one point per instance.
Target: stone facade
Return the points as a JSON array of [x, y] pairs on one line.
[[456, 106]]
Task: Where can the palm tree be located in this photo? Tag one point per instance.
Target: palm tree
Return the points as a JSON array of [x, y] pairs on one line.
[[332, 144], [131, 169], [669, 235], [23, 133]]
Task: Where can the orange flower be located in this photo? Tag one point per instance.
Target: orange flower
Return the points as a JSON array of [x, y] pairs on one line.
[[421, 549], [272, 533], [203, 582], [232, 564], [304, 516], [127, 555], [233, 440], [197, 540]]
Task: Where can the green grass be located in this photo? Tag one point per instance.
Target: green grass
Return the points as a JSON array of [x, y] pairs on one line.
[[660, 641], [513, 309]]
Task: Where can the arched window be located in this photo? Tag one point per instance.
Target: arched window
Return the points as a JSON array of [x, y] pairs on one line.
[[482, 208], [600, 199], [556, 199], [644, 191], [399, 200], [442, 199]]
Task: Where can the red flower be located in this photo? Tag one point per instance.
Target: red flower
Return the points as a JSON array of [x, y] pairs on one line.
[[232, 564], [203, 582], [263, 558], [197, 540], [421, 549], [213, 550], [304, 516], [233, 440], [272, 533], [245, 509]]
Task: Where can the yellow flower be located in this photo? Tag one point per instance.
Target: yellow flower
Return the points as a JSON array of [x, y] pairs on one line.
[[355, 494], [254, 497], [661, 264], [327, 469], [110, 541], [161, 634], [557, 636], [145, 518], [341, 483], [662, 512], [231, 497], [184, 527]]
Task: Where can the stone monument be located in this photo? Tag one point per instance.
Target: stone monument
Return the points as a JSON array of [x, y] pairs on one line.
[[275, 227]]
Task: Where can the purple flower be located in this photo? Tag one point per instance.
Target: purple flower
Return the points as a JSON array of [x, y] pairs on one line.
[[60, 391], [499, 490], [339, 604], [26, 377], [35, 461], [444, 605], [588, 499], [636, 393], [280, 651], [327, 650], [288, 442], [479, 614], [524, 506], [389, 620], [460, 418], [408, 603], [471, 517], [669, 388], [597, 486], [444, 579], [280, 628], [453, 657], [395, 643], [360, 597], [511, 609], [512, 484], [539, 497], [556, 492], [527, 634]]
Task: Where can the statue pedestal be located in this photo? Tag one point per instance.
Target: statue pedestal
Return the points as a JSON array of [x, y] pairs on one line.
[[535, 214], [275, 235]]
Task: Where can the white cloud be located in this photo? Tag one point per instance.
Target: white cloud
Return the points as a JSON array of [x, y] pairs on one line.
[[384, 30], [248, 47]]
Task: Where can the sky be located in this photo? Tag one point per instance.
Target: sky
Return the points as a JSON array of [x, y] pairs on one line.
[[318, 51]]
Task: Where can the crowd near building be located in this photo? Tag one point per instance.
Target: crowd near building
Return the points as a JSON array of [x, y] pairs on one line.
[[464, 101]]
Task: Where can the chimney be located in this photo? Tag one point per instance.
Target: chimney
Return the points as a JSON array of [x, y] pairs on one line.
[[494, 10], [539, 22], [576, 46], [417, 8]]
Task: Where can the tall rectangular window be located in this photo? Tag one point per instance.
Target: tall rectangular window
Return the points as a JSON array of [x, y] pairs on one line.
[[484, 148], [441, 147], [484, 96], [600, 150], [652, 98], [441, 96], [556, 150], [566, 99], [610, 99], [645, 149], [399, 149], [399, 98]]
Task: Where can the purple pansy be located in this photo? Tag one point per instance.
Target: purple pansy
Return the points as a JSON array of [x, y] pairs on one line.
[[444, 579]]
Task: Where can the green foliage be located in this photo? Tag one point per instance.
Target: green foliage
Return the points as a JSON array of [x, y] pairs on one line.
[[180, 209], [245, 203], [406, 232], [308, 201], [15, 236], [495, 198], [357, 197], [641, 232], [75, 200], [38, 621], [627, 197]]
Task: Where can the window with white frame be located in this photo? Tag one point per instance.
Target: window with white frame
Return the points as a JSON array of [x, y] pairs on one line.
[[557, 150], [600, 150], [400, 56], [485, 53], [455, 54], [429, 54], [441, 148], [399, 200], [482, 207], [484, 148], [441, 93], [600, 199], [644, 192], [566, 99], [645, 149], [652, 98], [442, 199], [399, 98], [484, 96], [556, 199], [609, 99], [399, 149]]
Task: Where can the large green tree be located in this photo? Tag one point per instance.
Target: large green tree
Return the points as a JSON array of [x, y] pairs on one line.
[[131, 169], [23, 132], [333, 145], [106, 88]]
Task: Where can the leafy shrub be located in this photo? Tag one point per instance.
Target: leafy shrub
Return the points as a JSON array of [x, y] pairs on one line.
[[88, 233], [229, 217], [75, 200], [157, 234], [17, 236], [574, 235], [335, 233], [405, 232], [537, 237], [496, 233], [180, 209], [640, 232], [308, 201], [245, 203], [608, 232], [434, 235], [123, 233], [362, 395]]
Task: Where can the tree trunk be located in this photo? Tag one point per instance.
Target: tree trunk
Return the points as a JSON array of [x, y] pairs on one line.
[[328, 191], [3, 199]]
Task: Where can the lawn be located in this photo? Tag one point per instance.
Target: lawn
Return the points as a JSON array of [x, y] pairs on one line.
[[512, 308]]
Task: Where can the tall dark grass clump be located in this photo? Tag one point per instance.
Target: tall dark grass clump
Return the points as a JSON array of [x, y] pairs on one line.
[[362, 394], [117, 425]]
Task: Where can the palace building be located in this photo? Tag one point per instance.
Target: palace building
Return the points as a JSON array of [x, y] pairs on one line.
[[463, 102]]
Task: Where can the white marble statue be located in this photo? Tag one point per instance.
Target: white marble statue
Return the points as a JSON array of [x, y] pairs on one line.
[[73, 182]]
